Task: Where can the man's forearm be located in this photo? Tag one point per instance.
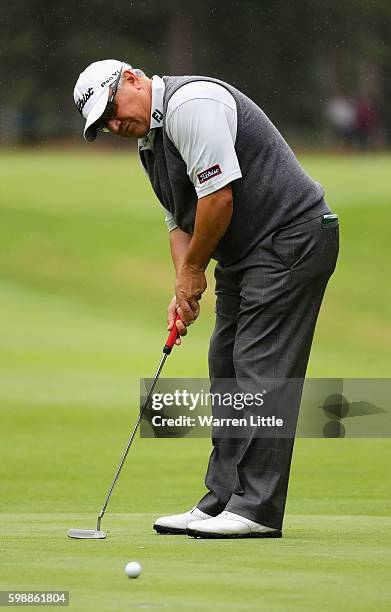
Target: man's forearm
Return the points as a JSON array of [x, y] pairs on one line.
[[213, 217], [191, 254], [179, 243]]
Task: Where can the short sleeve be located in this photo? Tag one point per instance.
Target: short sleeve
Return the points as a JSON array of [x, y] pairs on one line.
[[170, 221], [204, 132]]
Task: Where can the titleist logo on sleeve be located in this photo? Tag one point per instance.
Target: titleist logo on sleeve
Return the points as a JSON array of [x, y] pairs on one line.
[[209, 173]]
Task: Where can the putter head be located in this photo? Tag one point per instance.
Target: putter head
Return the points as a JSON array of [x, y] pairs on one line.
[[86, 534]]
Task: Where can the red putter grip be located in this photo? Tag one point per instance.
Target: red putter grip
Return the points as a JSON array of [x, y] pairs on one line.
[[172, 337]]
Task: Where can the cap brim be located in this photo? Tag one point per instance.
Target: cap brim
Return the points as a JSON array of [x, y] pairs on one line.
[[90, 128]]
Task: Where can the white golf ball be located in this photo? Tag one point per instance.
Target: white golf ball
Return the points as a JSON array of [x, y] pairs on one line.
[[133, 569]]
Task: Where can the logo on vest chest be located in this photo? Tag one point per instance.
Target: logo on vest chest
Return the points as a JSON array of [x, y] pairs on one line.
[[209, 173]]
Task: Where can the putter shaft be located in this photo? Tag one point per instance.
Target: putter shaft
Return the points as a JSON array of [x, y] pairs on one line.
[[140, 416]]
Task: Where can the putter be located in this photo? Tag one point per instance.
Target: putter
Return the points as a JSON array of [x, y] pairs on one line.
[[97, 534]]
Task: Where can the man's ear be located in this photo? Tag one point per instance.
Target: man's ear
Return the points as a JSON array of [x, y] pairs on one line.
[[131, 78]]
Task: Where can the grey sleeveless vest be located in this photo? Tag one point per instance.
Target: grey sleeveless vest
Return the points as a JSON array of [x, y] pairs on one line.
[[274, 190]]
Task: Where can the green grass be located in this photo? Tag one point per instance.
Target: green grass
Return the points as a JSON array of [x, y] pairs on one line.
[[85, 277], [310, 569]]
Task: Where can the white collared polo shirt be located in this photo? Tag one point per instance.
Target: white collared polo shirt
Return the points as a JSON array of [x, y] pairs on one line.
[[201, 121]]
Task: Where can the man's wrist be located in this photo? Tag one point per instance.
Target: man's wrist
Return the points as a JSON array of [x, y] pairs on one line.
[[195, 266]]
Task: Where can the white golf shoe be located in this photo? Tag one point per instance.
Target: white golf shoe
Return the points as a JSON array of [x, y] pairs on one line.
[[177, 523], [230, 525]]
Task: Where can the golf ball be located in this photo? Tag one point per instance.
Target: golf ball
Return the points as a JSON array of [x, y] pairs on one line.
[[133, 569]]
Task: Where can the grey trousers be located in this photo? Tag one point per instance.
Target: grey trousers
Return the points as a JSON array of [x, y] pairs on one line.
[[266, 310]]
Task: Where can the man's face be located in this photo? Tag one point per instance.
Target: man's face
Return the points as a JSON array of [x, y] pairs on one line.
[[133, 107]]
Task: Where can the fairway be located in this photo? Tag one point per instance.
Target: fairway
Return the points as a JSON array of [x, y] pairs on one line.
[[85, 278]]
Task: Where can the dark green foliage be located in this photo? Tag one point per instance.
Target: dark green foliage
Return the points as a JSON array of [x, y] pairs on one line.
[[287, 55]]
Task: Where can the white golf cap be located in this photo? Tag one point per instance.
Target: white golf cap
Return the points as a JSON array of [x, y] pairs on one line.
[[91, 92]]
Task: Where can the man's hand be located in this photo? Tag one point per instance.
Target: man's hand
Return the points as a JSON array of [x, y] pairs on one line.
[[189, 287]]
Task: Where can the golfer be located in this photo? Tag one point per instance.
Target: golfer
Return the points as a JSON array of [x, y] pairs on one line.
[[233, 191]]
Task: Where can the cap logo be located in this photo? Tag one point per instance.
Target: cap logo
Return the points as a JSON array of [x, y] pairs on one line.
[[80, 104], [111, 78]]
